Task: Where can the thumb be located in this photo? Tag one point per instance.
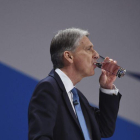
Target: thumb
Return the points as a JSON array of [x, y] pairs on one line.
[[102, 79], [103, 72]]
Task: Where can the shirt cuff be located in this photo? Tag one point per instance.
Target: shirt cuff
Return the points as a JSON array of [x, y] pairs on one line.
[[110, 91]]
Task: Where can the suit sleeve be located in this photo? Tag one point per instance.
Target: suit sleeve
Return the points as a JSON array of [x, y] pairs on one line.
[[106, 115], [42, 112]]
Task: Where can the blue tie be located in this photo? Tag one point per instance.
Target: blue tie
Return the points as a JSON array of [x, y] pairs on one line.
[[80, 114]]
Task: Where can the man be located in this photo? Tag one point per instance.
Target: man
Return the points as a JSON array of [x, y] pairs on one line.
[[59, 111]]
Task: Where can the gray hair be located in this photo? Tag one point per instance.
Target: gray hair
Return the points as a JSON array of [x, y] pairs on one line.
[[65, 40]]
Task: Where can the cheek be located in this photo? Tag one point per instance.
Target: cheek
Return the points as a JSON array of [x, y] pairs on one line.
[[83, 60], [88, 61], [85, 65], [80, 63]]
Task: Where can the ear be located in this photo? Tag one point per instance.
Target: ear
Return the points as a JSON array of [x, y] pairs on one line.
[[68, 56]]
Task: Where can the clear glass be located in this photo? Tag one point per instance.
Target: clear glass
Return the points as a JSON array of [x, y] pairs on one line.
[[113, 68]]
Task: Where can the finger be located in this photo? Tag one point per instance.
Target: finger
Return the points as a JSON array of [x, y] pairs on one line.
[[113, 67], [106, 66], [110, 67], [115, 61], [103, 72], [108, 73], [106, 59], [111, 60]]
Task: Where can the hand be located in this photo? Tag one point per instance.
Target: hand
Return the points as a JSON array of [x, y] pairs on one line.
[[107, 79]]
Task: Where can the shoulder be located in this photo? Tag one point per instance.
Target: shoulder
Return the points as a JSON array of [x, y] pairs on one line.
[[46, 86], [46, 82]]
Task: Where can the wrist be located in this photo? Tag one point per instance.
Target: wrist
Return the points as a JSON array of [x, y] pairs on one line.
[[108, 86]]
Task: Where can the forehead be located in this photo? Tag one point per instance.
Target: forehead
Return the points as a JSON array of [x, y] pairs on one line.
[[85, 42]]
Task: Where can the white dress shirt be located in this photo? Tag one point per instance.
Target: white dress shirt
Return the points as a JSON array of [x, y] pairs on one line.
[[69, 86]]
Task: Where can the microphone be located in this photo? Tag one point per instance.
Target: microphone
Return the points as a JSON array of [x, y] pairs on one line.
[[75, 102]]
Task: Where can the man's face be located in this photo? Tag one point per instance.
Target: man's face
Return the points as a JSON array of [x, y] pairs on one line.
[[84, 58]]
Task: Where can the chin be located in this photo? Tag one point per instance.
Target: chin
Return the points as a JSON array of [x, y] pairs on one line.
[[92, 73], [89, 73]]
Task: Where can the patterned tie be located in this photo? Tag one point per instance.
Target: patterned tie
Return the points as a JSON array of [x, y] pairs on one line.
[[80, 114]]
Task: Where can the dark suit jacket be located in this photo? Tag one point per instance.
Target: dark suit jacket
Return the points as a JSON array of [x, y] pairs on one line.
[[51, 117]]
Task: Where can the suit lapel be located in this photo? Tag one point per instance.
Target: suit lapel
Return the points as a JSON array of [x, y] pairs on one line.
[[68, 104], [65, 96], [90, 115]]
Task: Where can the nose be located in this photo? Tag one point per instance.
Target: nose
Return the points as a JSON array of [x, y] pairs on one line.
[[95, 55]]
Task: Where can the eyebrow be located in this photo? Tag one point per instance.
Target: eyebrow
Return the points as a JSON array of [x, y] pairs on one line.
[[88, 46]]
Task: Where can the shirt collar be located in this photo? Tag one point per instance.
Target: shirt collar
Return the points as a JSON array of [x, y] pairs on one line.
[[65, 79]]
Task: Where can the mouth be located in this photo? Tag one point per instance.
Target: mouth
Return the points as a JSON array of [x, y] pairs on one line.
[[94, 64]]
